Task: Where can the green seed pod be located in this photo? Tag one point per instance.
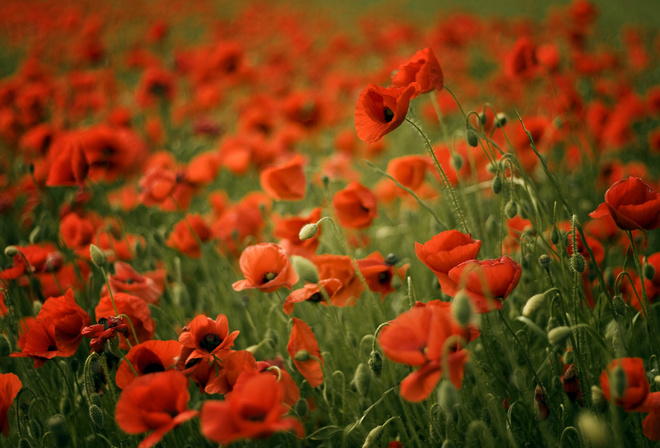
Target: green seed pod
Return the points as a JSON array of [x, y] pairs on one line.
[[496, 184], [619, 305], [544, 261], [98, 256], [308, 231], [461, 309], [362, 379], [95, 399], [554, 236], [511, 209], [65, 405], [375, 363], [649, 271], [373, 437], [577, 263], [456, 162], [58, 428], [5, 346], [96, 416], [558, 335], [301, 407], [472, 138]]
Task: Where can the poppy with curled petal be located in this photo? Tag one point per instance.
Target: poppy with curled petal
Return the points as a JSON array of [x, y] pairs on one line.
[[285, 182], [65, 320], [379, 274], [380, 110], [254, 410], [147, 357], [156, 402], [138, 313], [266, 267], [633, 205], [445, 251], [10, 384], [207, 338], [319, 292], [128, 280], [342, 268], [355, 206], [636, 384], [487, 282], [423, 71], [304, 350]]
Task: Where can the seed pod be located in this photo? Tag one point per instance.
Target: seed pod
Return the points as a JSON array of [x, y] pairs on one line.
[[97, 255], [544, 261], [496, 184], [472, 138], [577, 263], [375, 363], [96, 416], [511, 209]]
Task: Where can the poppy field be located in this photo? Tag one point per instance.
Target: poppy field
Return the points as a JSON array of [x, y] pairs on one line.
[[253, 225]]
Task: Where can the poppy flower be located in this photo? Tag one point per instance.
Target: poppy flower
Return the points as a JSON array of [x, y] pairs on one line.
[[37, 342], [77, 232], [423, 71], [445, 251], [285, 182], [128, 280], [289, 230], [203, 169], [226, 375], [207, 338], [521, 62], [409, 171], [10, 384], [487, 282], [157, 185], [378, 274], [633, 205], [636, 384], [147, 357], [254, 410], [340, 267], [105, 330], [651, 423], [276, 367], [137, 311], [312, 292], [183, 240], [304, 350], [266, 267], [69, 167], [355, 206], [65, 319], [380, 110], [155, 402]]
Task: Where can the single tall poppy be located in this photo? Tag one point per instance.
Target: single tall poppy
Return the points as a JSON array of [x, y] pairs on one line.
[[380, 110], [633, 205]]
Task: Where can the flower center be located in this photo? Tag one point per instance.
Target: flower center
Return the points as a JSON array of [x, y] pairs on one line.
[[388, 114], [152, 368], [317, 297], [384, 277], [268, 276], [209, 342]]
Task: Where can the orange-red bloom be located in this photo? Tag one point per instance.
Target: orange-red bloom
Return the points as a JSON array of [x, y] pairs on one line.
[[254, 410], [380, 110], [137, 311], [128, 280], [445, 251], [285, 182], [65, 319], [304, 350], [378, 273], [633, 205], [147, 357], [313, 292], [355, 206], [342, 268], [636, 384], [207, 338], [157, 185], [10, 384], [266, 267], [156, 402], [182, 238], [409, 171], [423, 71]]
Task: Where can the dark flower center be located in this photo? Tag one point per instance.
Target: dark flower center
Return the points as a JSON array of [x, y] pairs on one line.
[[209, 342], [51, 348], [384, 277], [268, 276], [317, 297], [388, 114], [152, 368], [256, 417]]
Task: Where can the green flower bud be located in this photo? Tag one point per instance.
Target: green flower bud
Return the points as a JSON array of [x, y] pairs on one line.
[[308, 231], [301, 407], [558, 335], [362, 379], [649, 271], [577, 263], [472, 138], [569, 357], [305, 269], [461, 309], [95, 399], [511, 209], [392, 259], [98, 256], [302, 356], [11, 251], [375, 363], [534, 303], [36, 307], [544, 261], [373, 437], [598, 398], [496, 184], [448, 398], [618, 382], [500, 119], [619, 305], [554, 236], [96, 416], [456, 162]]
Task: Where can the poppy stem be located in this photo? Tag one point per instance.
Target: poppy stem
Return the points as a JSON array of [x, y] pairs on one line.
[[123, 356], [440, 171]]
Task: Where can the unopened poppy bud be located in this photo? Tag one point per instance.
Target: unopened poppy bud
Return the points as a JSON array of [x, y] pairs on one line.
[[554, 236], [392, 259], [308, 231], [24, 443], [534, 303], [375, 363], [65, 405], [362, 379], [570, 383], [448, 398], [461, 309], [541, 407], [544, 261], [97, 255], [325, 180], [649, 271], [500, 119], [305, 269], [558, 335], [302, 356], [10, 251], [511, 209], [5, 346], [456, 162], [58, 429], [577, 263], [36, 307], [598, 398], [618, 382], [95, 399], [301, 407], [656, 380], [496, 184], [594, 430], [373, 437], [472, 138], [569, 357], [619, 305], [96, 416]]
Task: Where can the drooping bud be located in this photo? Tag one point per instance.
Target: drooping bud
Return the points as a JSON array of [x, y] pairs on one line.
[[308, 231], [97, 255], [392, 259], [472, 138], [569, 357], [305, 269], [534, 303], [456, 162], [594, 431], [301, 407], [511, 209], [302, 356], [577, 263], [649, 271], [496, 184], [375, 362], [598, 398], [619, 305], [500, 119], [96, 416], [558, 335], [541, 407], [362, 379], [554, 236], [461, 309], [11, 251], [544, 261]]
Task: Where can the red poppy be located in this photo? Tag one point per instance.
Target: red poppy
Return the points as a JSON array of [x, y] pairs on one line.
[[355, 206], [105, 330], [378, 274], [156, 84], [445, 251], [65, 320], [289, 230], [521, 61], [380, 110], [651, 424], [37, 341], [304, 350], [226, 375], [137, 311], [313, 292], [203, 169], [276, 367], [78, 232], [423, 71], [340, 267], [147, 357], [183, 240], [155, 402], [10, 384], [488, 282], [266, 267], [207, 338], [157, 185], [285, 182], [636, 384], [254, 410], [409, 171], [69, 167], [128, 280], [633, 205]]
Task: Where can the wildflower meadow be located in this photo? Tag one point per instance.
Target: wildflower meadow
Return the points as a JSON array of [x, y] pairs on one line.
[[299, 224]]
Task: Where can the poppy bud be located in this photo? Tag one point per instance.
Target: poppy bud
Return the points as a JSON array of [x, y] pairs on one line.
[[302, 356], [375, 363], [96, 416], [571, 383], [373, 436], [472, 138], [558, 335], [456, 162], [448, 398], [619, 305], [496, 184], [58, 429], [500, 119], [95, 399], [511, 209], [594, 430], [540, 404], [362, 379], [534, 303], [554, 236], [308, 231], [598, 398], [391, 259], [569, 357], [544, 261], [649, 271], [301, 407], [5, 346], [97, 256], [11, 251], [577, 263], [305, 269], [461, 309], [36, 307]]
